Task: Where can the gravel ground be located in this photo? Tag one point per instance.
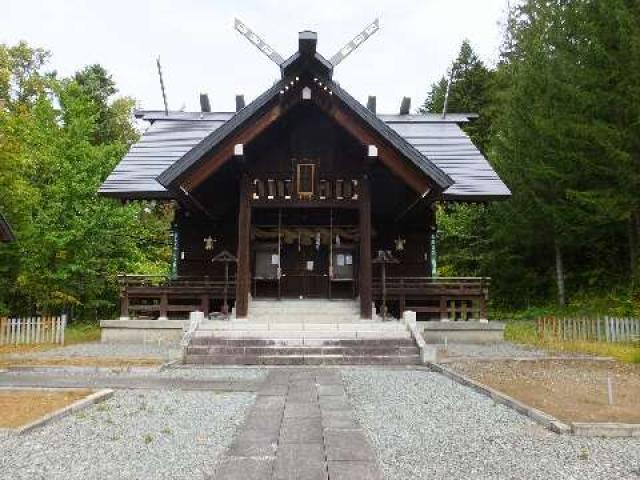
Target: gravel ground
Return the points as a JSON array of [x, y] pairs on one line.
[[499, 350], [167, 352], [214, 373], [154, 434], [424, 426]]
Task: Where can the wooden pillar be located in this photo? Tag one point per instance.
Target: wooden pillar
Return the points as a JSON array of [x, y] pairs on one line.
[[243, 280], [365, 249], [164, 306], [431, 242], [124, 305], [204, 305]]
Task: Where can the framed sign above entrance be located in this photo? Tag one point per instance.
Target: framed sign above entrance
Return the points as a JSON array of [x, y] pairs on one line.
[[305, 179]]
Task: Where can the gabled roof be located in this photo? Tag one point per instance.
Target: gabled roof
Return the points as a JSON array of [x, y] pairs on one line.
[[444, 143], [170, 137], [162, 144], [177, 142], [205, 145], [6, 235], [251, 111]]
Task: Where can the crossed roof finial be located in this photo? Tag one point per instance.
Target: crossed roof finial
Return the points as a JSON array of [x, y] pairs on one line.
[[275, 57]]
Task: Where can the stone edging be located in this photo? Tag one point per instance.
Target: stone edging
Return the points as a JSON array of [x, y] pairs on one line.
[[583, 429], [71, 370], [536, 415], [76, 406], [428, 353]]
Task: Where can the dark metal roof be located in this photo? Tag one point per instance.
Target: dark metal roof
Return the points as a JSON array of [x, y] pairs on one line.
[[174, 136], [447, 146], [441, 179], [202, 147], [428, 117], [176, 141], [6, 235], [153, 115], [165, 141]]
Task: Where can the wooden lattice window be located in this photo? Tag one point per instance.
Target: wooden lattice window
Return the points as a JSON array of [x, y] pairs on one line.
[[306, 180]]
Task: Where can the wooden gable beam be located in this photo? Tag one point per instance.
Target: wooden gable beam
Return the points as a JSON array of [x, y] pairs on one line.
[[389, 156], [397, 164], [225, 151]]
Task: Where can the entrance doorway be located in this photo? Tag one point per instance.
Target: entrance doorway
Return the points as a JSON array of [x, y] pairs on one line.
[[305, 253], [305, 271]]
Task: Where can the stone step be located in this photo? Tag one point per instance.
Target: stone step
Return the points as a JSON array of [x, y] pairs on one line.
[[337, 334], [303, 360], [326, 342], [301, 326], [300, 339], [302, 350], [305, 318], [305, 303]]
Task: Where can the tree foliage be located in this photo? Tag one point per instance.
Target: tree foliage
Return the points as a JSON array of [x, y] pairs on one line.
[[563, 132], [60, 139]]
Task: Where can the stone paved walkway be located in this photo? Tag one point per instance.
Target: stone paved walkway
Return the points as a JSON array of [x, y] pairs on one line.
[[301, 427]]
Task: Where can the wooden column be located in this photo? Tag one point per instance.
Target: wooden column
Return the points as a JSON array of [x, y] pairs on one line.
[[204, 305], [164, 306], [365, 249], [243, 280], [124, 304]]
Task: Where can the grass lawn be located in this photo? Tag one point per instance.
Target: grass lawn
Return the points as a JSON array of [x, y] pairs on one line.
[[524, 332]]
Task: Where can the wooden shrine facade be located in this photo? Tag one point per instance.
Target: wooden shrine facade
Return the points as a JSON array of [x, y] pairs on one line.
[[305, 188]]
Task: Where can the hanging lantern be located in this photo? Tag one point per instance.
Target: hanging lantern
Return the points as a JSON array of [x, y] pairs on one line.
[[318, 237], [400, 244], [337, 240], [208, 243]]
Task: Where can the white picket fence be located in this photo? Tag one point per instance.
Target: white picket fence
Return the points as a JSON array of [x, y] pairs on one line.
[[32, 330], [599, 329]]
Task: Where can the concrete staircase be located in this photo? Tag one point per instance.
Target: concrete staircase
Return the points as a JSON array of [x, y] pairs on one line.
[[304, 311], [306, 332]]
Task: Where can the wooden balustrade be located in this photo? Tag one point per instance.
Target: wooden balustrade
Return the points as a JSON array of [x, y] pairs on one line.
[[156, 296], [442, 298]]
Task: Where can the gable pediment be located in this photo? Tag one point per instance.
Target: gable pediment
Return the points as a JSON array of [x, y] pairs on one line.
[[215, 150]]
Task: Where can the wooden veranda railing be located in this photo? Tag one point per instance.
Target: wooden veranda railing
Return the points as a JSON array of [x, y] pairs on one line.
[[599, 329], [156, 296], [443, 298]]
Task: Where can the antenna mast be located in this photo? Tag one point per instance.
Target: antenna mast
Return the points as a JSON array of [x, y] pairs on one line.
[[164, 95], [446, 94]]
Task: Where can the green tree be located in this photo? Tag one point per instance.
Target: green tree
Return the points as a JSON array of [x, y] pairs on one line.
[[559, 142], [60, 144], [469, 93]]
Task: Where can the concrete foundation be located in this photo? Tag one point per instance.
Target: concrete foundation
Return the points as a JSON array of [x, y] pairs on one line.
[[142, 331], [462, 332]]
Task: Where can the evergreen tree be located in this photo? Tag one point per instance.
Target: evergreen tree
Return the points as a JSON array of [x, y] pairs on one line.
[[469, 93]]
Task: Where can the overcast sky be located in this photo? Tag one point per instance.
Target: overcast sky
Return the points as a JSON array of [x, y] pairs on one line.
[[201, 52]]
